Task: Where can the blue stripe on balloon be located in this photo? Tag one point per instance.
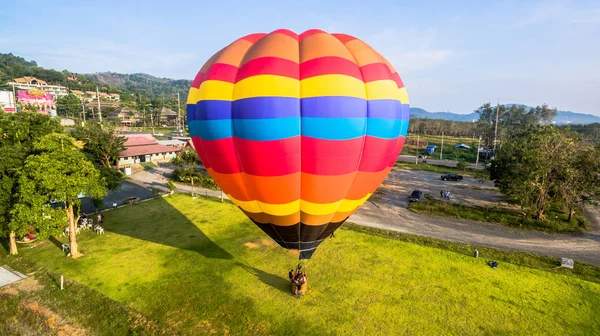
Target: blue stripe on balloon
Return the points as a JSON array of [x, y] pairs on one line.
[[285, 107], [283, 128]]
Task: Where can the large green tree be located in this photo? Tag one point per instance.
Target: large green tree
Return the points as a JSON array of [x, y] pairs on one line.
[[18, 133], [103, 146], [539, 165], [68, 106], [59, 171]]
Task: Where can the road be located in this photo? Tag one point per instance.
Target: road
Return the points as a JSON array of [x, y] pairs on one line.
[[387, 210], [447, 163]]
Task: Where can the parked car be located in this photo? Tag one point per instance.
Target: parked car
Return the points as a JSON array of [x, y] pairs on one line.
[[415, 196], [452, 177], [132, 200]]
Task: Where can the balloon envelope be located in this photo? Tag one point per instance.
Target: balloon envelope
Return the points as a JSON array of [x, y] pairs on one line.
[[298, 130]]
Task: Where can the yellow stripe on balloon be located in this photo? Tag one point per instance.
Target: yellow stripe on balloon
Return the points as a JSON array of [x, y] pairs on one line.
[[286, 209], [267, 86], [382, 89], [333, 85], [215, 90], [193, 96], [403, 96]]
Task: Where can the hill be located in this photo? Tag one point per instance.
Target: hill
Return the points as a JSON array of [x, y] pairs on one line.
[[143, 82], [562, 117]]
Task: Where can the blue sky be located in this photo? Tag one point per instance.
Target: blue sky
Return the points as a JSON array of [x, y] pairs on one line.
[[452, 55]]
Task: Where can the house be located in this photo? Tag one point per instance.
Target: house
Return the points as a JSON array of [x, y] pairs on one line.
[[167, 116], [30, 82], [114, 96], [144, 148], [126, 115], [94, 104], [73, 77], [462, 146]]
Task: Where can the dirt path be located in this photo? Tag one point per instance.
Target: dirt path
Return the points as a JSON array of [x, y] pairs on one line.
[[582, 247]]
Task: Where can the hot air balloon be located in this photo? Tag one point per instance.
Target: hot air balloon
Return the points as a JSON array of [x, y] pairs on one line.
[[298, 130]]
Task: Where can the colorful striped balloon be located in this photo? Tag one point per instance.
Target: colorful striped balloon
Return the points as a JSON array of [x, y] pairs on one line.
[[298, 130]]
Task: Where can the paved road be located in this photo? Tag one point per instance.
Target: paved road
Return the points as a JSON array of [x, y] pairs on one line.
[[447, 163], [391, 213]]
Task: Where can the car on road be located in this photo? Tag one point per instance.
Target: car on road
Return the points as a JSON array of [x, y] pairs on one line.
[[132, 200], [415, 196], [452, 177]]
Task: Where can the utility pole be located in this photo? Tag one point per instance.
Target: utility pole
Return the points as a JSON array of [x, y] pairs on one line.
[[478, 144], [496, 127], [83, 112], [14, 98], [152, 120], [442, 147], [417, 153], [179, 115], [98, 99]]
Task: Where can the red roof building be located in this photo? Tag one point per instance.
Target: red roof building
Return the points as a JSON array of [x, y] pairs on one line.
[[144, 148]]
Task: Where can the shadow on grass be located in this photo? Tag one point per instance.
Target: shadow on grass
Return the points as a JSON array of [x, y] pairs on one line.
[[272, 280], [158, 222]]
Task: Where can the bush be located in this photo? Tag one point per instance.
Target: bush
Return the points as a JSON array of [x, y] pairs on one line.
[[462, 166]]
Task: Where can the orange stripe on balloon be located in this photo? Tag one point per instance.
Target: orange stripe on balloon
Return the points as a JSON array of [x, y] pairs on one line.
[[273, 45], [323, 45]]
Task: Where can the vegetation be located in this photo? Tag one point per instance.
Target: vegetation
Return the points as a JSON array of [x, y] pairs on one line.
[[68, 106], [57, 171], [102, 145], [177, 258], [540, 165], [36, 306], [137, 90], [19, 132], [557, 220]]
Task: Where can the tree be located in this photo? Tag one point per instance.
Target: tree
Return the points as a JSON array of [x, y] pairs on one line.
[[539, 165], [68, 106], [103, 147], [57, 171], [18, 133]]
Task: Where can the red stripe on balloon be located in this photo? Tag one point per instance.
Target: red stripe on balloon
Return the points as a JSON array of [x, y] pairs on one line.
[[221, 155], [268, 66], [269, 158], [309, 155], [398, 80], [329, 65], [344, 38], [311, 32], [286, 32], [198, 79], [253, 38], [198, 147], [375, 71], [221, 72]]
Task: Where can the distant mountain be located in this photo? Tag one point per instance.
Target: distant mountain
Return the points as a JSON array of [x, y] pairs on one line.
[[143, 82], [562, 117]]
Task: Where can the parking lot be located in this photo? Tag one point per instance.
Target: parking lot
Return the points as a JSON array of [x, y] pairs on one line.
[[396, 188]]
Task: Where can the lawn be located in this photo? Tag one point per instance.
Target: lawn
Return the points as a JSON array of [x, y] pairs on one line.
[[197, 266], [556, 220], [477, 173]]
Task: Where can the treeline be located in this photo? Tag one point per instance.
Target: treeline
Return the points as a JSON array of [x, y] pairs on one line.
[[133, 88]]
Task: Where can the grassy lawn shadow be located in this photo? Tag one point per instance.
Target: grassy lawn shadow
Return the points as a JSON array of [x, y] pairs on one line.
[[169, 227], [272, 280]]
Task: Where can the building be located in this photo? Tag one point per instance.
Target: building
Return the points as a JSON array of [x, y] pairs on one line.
[[29, 82], [94, 104], [7, 101], [144, 148], [73, 77], [167, 116], [127, 116], [114, 96], [37, 97]]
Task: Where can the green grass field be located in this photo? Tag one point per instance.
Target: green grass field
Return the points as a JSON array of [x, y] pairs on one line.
[[200, 267], [556, 220]]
